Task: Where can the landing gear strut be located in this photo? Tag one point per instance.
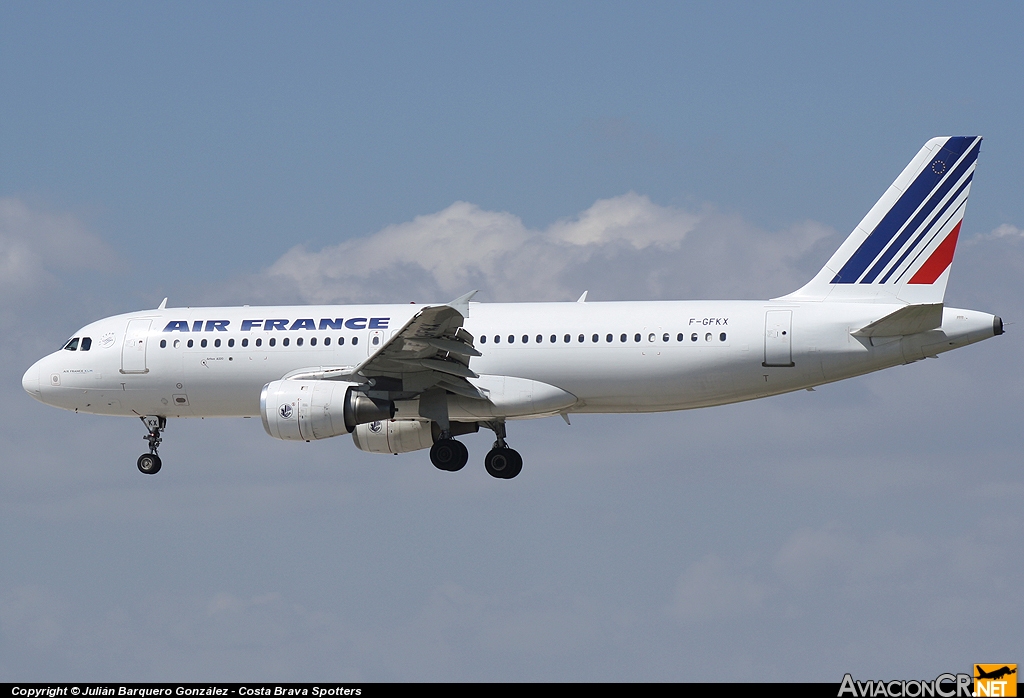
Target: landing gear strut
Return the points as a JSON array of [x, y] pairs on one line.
[[149, 463], [501, 461]]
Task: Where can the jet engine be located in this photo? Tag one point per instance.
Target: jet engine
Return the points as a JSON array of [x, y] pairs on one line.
[[297, 410], [403, 435]]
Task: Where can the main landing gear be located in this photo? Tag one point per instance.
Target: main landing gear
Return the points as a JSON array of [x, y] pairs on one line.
[[501, 461], [149, 463], [448, 454]]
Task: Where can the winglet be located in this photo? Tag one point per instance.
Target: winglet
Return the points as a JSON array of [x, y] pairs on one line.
[[163, 304], [461, 303], [583, 298]]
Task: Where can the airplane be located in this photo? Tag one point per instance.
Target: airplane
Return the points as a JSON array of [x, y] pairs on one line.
[[402, 378]]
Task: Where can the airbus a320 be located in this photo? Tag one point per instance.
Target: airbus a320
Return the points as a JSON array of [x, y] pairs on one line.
[[402, 378]]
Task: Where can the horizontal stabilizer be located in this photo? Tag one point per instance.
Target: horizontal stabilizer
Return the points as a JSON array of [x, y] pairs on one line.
[[910, 319]]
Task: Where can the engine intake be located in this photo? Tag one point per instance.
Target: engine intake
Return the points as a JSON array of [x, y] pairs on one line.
[[296, 410]]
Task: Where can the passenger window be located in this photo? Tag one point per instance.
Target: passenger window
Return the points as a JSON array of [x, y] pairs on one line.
[[693, 337], [622, 338], [540, 339], [259, 342], [245, 342], [636, 337], [511, 339], [298, 342], [341, 341], [554, 339], [580, 338], [526, 339], [650, 337], [355, 340], [312, 341], [497, 339], [679, 337], [72, 344], [376, 340], [272, 342], [707, 337], [177, 343], [203, 344], [327, 341], [231, 342], [163, 343], [190, 343], [216, 342], [483, 339], [86, 343], [721, 337], [285, 341], [566, 339], [664, 337], [608, 338]]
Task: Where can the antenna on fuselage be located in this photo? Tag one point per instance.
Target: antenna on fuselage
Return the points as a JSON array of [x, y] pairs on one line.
[[163, 304]]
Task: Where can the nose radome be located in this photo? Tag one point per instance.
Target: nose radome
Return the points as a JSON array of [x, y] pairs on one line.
[[30, 381]]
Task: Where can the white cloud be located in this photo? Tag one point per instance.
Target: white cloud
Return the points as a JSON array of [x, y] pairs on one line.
[[30, 616], [813, 557], [712, 589], [622, 247], [35, 244], [1007, 230]]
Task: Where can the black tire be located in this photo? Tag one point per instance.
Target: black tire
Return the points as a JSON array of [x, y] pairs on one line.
[[149, 464], [516, 466], [449, 455], [503, 463]]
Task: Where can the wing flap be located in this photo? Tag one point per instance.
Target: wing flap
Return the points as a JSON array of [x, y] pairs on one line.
[[430, 349]]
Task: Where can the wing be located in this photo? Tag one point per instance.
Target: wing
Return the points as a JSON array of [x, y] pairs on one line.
[[431, 350]]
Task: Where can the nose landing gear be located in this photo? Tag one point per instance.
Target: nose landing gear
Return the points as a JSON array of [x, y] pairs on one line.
[[149, 463]]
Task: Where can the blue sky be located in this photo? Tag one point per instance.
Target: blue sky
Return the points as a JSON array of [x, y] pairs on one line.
[[260, 152]]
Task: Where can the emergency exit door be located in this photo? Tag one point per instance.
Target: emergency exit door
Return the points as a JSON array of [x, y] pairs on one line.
[[778, 338]]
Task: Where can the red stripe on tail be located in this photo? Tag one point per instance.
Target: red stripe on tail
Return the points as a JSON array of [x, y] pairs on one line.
[[940, 260]]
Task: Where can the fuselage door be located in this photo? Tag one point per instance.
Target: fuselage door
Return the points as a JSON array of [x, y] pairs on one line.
[[133, 352], [778, 338]]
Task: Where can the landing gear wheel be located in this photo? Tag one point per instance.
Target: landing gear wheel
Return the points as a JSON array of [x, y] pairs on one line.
[[149, 463], [449, 454], [503, 463]]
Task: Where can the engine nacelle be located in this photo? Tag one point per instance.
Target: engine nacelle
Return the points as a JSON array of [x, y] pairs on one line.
[[393, 436], [404, 435], [305, 410]]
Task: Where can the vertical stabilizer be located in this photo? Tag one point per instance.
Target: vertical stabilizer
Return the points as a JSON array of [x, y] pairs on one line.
[[902, 251]]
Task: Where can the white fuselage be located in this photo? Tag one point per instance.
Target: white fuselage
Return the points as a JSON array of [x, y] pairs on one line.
[[610, 357]]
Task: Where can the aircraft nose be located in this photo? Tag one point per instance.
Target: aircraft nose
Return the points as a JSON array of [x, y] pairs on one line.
[[30, 381]]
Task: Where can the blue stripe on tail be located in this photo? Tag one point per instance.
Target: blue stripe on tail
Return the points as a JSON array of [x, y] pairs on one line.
[[900, 213]]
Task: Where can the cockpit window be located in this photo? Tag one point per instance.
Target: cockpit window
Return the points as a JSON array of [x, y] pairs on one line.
[[86, 343], [72, 344]]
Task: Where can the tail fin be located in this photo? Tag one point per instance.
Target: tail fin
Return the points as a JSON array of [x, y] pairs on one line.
[[902, 251]]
